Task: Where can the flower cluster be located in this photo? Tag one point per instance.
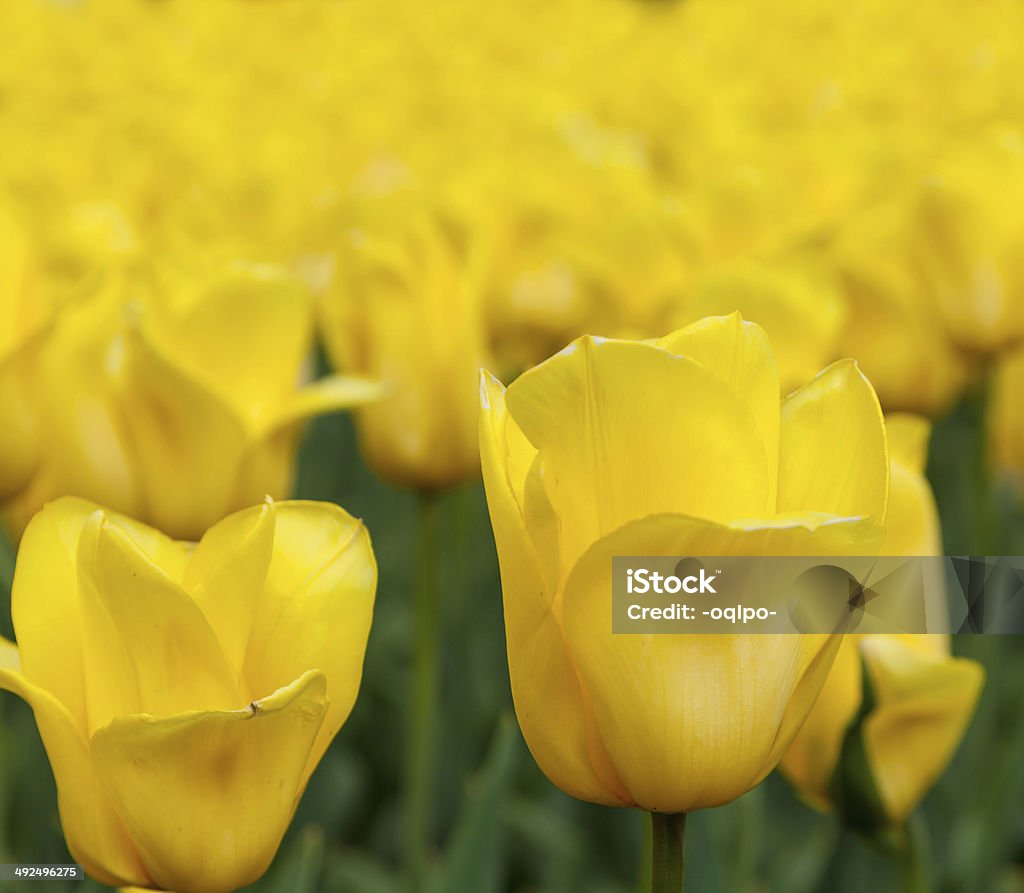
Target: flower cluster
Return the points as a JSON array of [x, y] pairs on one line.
[[854, 199], [221, 220]]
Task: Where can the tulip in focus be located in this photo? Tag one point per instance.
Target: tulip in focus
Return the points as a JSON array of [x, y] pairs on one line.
[[674, 447], [183, 406], [921, 698], [185, 694]]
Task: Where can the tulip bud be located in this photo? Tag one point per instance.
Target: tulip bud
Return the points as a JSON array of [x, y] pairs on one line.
[[674, 447], [185, 695]]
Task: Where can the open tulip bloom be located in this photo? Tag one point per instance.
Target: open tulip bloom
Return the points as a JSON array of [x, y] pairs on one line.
[[672, 447], [185, 694]]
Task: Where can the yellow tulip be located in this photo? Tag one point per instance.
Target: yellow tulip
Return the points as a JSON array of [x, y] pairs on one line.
[[1006, 418], [893, 326], [181, 408], [674, 447], [922, 698], [408, 315], [185, 694], [971, 246]]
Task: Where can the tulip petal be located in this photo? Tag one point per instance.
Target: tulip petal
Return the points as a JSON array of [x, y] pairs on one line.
[[226, 573], [269, 463], [692, 721], [207, 796], [912, 525], [44, 604], [907, 436], [506, 459], [547, 696], [95, 836], [523, 475], [925, 702], [739, 353], [180, 431], [832, 451], [328, 394], [912, 520], [316, 608], [245, 336], [148, 647], [85, 449], [678, 437], [45, 595]]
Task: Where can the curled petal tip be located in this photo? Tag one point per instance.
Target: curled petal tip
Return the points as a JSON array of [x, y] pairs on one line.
[[487, 380]]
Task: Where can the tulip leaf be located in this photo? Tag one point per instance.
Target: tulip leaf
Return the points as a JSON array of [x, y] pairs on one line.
[[472, 861], [353, 871], [550, 828]]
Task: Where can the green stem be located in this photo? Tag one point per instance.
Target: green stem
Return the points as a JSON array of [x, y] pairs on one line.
[[913, 857], [984, 527], [646, 870], [667, 835], [424, 693]]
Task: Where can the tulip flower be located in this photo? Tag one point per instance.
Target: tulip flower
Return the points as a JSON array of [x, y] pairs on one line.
[[921, 698], [971, 247], [673, 447], [185, 694], [181, 408], [408, 315], [894, 326]]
